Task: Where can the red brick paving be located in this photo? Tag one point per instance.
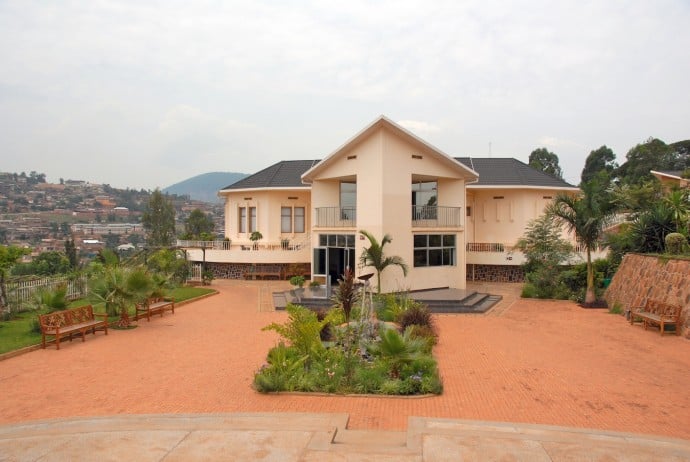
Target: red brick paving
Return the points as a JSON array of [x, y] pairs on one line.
[[541, 362]]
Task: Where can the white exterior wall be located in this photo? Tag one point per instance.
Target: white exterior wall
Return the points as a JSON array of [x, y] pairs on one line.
[[504, 220], [383, 166], [268, 205]]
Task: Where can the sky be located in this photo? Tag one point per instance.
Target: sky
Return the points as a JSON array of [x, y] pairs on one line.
[[144, 94]]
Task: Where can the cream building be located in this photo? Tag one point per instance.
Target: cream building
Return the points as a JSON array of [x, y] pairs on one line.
[[450, 219]]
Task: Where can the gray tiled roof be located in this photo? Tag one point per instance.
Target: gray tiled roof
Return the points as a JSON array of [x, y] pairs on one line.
[[510, 172], [492, 172], [284, 174]]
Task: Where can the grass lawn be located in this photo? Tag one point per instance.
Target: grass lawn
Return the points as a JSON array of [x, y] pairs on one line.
[[17, 333]]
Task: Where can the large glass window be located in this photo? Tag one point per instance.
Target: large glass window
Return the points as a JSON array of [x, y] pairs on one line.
[[286, 219], [299, 219], [434, 249], [348, 200], [424, 200], [243, 220], [252, 219]]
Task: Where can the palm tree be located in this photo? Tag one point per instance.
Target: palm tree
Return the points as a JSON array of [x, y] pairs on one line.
[[678, 203], [373, 256], [119, 288], [585, 215]]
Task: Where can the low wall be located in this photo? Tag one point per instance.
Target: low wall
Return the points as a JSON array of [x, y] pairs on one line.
[[238, 270], [495, 273], [640, 277]]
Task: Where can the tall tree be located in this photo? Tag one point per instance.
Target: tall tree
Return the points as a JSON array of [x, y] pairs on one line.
[[197, 224], [653, 154], [375, 257], [599, 160], [159, 220], [71, 252], [586, 216], [546, 161]]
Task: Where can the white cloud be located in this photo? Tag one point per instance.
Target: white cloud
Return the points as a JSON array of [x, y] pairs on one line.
[[419, 127], [239, 85]]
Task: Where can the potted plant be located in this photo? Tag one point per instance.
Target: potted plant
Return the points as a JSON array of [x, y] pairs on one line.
[[298, 282], [316, 289], [255, 237], [207, 277]]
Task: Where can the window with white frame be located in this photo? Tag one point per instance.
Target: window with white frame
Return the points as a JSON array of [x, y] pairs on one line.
[[286, 219], [434, 250], [252, 219], [242, 225], [299, 219]]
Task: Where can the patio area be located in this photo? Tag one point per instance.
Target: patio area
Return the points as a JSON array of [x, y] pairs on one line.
[[525, 361]]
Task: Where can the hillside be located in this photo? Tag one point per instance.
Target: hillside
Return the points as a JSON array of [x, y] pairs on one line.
[[205, 187]]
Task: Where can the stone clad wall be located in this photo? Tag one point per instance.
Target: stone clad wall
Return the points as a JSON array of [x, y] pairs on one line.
[[641, 277], [495, 273]]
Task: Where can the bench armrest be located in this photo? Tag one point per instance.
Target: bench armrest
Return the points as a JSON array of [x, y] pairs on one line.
[[102, 315]]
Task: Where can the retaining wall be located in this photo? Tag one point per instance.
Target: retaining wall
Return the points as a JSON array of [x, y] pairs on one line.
[[640, 277]]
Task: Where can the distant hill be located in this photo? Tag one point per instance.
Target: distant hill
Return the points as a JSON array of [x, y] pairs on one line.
[[205, 187]]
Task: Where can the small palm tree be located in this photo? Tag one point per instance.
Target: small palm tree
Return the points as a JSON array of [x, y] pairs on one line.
[[119, 288], [373, 256], [586, 216], [397, 349]]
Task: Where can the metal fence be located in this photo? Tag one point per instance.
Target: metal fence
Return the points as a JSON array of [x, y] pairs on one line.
[[19, 292]]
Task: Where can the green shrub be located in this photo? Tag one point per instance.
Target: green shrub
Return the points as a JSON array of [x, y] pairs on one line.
[[302, 330], [528, 290], [675, 243], [370, 377], [416, 315], [390, 387], [426, 333]]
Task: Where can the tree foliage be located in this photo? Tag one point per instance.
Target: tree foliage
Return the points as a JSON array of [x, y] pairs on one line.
[[198, 225], [45, 264], [599, 160], [159, 220], [8, 258], [545, 250], [546, 161], [653, 154], [586, 216]]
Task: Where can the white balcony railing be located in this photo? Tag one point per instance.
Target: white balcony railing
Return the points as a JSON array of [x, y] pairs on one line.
[[283, 245], [485, 247], [216, 245]]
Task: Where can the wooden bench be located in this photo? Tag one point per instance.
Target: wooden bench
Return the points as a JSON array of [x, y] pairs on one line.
[[67, 322], [657, 312], [155, 305], [264, 272]]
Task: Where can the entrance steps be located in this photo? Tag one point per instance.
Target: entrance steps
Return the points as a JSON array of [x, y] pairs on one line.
[[438, 300]]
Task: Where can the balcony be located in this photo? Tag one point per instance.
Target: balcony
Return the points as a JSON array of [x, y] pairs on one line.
[[431, 216], [285, 251], [335, 217]]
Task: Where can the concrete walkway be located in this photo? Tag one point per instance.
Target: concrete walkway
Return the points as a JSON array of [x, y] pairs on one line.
[[179, 388], [319, 437]]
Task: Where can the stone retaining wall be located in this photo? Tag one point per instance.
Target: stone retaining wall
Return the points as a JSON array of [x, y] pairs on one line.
[[495, 273], [238, 270], [640, 277]]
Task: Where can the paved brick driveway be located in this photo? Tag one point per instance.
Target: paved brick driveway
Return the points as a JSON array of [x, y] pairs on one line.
[[539, 362]]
